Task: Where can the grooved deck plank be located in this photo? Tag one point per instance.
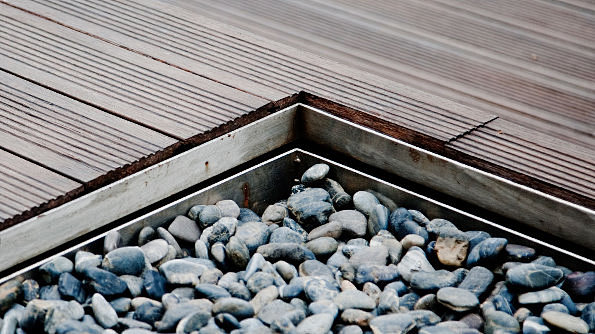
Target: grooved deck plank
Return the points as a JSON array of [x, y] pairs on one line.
[[194, 43], [536, 80], [156, 95], [25, 186], [68, 136], [552, 161]]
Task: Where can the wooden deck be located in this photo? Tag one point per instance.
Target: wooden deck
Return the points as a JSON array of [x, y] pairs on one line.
[[91, 91]]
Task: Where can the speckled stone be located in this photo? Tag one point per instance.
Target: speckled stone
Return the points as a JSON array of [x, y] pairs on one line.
[[237, 253], [533, 276]]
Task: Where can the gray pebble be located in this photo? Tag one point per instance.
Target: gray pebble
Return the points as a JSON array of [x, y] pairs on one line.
[[111, 241], [315, 173], [323, 246], [145, 235], [317, 323], [228, 208], [125, 261], [184, 228], [104, 313], [392, 323], [457, 299], [354, 299], [155, 250], [164, 234]]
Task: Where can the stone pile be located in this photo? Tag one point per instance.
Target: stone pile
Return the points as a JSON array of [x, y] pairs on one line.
[[321, 261]]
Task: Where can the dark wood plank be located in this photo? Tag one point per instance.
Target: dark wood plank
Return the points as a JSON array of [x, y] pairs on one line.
[[122, 82], [533, 79], [531, 155], [25, 188], [68, 136], [190, 41]]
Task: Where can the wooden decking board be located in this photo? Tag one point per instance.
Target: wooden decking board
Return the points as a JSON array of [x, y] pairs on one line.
[[516, 93], [25, 186], [503, 144], [253, 59], [68, 136], [133, 86]]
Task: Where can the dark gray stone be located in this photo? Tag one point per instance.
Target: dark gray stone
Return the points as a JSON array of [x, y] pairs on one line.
[[237, 253], [125, 261], [51, 271], [105, 282], [185, 229], [30, 290], [339, 197], [71, 288], [432, 281], [253, 234], [247, 215], [486, 252], [475, 237], [177, 312], [477, 280], [259, 281], [49, 292], [292, 253], [219, 233], [376, 274], [285, 234], [148, 313], [521, 253], [533, 276], [580, 286], [153, 284], [377, 219], [315, 173]]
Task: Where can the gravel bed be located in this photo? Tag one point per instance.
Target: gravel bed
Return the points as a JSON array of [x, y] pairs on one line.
[[321, 261]]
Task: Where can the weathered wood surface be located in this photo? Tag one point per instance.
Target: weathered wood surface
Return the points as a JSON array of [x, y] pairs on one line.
[[530, 62], [25, 185], [195, 43]]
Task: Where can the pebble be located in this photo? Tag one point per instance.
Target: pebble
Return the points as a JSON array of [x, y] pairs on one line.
[[145, 235], [164, 234], [153, 284], [125, 261], [259, 281], [237, 307], [549, 295], [278, 309], [352, 329], [376, 273], [533, 276], [477, 280], [315, 173], [354, 299], [83, 260], [105, 282], [51, 270], [182, 272], [285, 234], [323, 247], [486, 252], [353, 223], [565, 322], [209, 215], [500, 322], [365, 202], [9, 293], [228, 208], [339, 197], [274, 214], [369, 256], [392, 324], [30, 289], [104, 313], [457, 299], [263, 297], [237, 253], [247, 215], [155, 250], [185, 229], [388, 302], [535, 325], [311, 207], [451, 247], [475, 237], [292, 253], [580, 286], [253, 234], [521, 253], [356, 317], [317, 323], [413, 261], [411, 240], [432, 281], [112, 240], [71, 287], [377, 219]]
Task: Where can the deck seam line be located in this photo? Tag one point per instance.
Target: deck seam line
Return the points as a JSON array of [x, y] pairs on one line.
[[477, 127]]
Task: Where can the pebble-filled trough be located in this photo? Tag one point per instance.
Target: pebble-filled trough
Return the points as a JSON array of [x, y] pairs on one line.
[[300, 244]]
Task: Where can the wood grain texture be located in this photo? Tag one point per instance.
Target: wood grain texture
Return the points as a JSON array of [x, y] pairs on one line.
[[191, 42], [25, 188], [132, 86], [480, 57], [67, 136]]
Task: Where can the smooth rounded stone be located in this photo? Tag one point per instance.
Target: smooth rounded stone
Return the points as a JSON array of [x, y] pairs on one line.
[[365, 202], [475, 237], [339, 197], [427, 302], [228, 208], [239, 290], [121, 305], [580, 285], [533, 276], [292, 253], [171, 254], [228, 278], [378, 219], [323, 247], [477, 280], [219, 233], [290, 291], [473, 320], [194, 212], [432, 281], [386, 239], [413, 261], [51, 270], [165, 235], [388, 302], [282, 325], [211, 291], [253, 326], [182, 272], [502, 304], [105, 282], [544, 261], [565, 322], [457, 299], [351, 329], [410, 227], [125, 261], [319, 289], [500, 322], [315, 268], [209, 215], [392, 323], [145, 235], [126, 323], [200, 250], [184, 228], [332, 229], [83, 260], [134, 284], [104, 313], [356, 317], [274, 214], [535, 325], [218, 254], [437, 330], [521, 314], [304, 205], [419, 217], [521, 253], [549, 295], [230, 223], [285, 234], [411, 240], [353, 222], [295, 226], [111, 241], [237, 253], [460, 274], [369, 289], [227, 322], [451, 247], [168, 300], [253, 234], [49, 292], [376, 274], [177, 312], [263, 297], [259, 281], [588, 315], [30, 289], [210, 276], [155, 250], [323, 306], [486, 252], [247, 215], [317, 323], [71, 288], [286, 270], [277, 309], [148, 313], [12, 317], [369, 256], [557, 307], [435, 226], [397, 217], [315, 173], [424, 318], [354, 299]]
